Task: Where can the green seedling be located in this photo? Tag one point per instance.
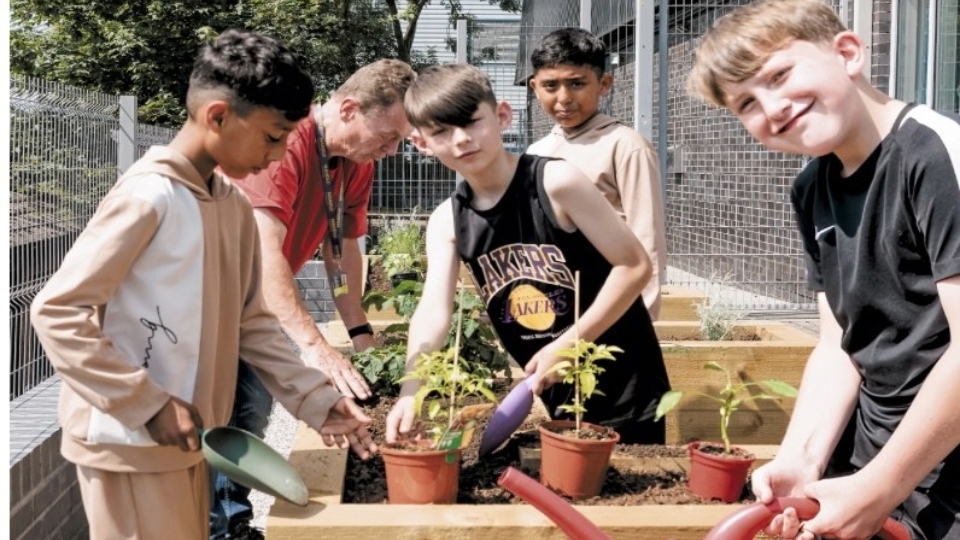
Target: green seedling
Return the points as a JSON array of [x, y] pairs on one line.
[[730, 397], [582, 371]]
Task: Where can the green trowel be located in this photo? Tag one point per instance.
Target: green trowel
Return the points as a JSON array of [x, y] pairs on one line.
[[242, 457]]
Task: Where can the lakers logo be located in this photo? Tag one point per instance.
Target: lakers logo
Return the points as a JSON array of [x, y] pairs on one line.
[[531, 308]]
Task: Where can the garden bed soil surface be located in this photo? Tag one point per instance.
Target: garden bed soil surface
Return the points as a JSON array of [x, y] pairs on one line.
[[365, 481], [738, 334], [377, 279]]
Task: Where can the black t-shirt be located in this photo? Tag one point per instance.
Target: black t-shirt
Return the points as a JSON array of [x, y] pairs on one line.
[[876, 244], [524, 266]]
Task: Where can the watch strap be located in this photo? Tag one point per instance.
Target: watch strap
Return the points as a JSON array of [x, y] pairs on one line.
[[364, 328]]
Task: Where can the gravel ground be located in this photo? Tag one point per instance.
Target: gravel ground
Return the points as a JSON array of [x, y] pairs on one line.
[[280, 434]]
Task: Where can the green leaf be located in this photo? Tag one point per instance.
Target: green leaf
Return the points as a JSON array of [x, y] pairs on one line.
[[434, 408], [668, 402], [780, 387], [714, 366], [559, 366], [588, 384]]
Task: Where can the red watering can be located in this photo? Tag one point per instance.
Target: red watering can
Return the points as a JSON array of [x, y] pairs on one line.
[[743, 524], [749, 520]]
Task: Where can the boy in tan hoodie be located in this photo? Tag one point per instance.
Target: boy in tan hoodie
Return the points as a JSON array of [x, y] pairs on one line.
[[160, 295], [569, 79]]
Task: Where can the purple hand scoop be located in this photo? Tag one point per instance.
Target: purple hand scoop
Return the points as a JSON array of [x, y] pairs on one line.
[[511, 412]]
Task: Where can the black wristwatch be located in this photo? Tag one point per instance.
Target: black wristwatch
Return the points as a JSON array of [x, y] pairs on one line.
[[364, 328]]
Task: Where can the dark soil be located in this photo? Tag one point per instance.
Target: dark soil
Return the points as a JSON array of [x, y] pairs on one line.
[[377, 279], [739, 334], [365, 481]]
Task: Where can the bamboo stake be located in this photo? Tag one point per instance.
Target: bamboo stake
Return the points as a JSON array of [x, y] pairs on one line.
[[576, 346], [456, 355]]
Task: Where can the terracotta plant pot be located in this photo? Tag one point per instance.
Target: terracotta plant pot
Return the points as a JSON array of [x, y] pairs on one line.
[[717, 477], [574, 467], [421, 476]]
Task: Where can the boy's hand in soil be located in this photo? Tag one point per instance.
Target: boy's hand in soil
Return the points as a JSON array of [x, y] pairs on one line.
[[175, 424], [401, 420], [346, 427]]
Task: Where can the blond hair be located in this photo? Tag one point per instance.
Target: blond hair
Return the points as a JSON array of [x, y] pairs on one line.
[[447, 94], [378, 85], [740, 42]]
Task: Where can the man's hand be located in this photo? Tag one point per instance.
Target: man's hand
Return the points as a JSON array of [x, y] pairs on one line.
[[341, 371], [176, 425], [346, 427]]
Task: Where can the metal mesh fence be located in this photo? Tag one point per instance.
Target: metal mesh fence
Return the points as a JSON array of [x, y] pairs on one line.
[[728, 211], [727, 204], [148, 136], [63, 160]]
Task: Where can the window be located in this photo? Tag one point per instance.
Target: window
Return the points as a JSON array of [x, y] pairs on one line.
[[926, 65]]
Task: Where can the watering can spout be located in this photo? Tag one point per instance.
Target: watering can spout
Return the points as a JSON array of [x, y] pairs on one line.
[[570, 521]]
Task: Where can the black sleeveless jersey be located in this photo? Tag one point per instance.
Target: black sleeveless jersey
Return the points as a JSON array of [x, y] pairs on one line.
[[523, 264]]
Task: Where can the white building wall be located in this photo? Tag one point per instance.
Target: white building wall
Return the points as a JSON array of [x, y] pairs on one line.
[[433, 29]]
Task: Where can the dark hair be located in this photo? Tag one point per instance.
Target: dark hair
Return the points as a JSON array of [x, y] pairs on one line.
[[447, 94], [250, 70], [572, 46]]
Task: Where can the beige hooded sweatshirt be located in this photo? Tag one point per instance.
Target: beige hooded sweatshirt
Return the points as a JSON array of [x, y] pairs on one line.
[[624, 166], [160, 295]]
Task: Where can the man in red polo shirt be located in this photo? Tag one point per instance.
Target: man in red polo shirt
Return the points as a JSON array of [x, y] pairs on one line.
[[317, 195]]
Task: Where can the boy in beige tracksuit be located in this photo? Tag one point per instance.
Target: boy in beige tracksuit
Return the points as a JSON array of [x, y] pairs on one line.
[[160, 295], [569, 79]]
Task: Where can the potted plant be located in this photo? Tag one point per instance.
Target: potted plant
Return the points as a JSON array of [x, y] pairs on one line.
[[719, 471], [427, 471], [575, 454], [402, 247]]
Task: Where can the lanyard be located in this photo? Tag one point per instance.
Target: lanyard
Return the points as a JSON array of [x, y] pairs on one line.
[[334, 208]]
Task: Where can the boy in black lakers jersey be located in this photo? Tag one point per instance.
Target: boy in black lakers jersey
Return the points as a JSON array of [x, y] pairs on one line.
[[525, 225]]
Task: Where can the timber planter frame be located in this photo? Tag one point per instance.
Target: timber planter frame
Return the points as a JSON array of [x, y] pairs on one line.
[[323, 468], [781, 352]]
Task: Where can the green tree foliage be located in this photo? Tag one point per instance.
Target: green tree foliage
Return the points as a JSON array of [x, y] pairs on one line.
[[146, 47]]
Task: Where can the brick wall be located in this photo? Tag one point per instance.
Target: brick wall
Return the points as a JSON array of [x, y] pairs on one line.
[[44, 497], [312, 282]]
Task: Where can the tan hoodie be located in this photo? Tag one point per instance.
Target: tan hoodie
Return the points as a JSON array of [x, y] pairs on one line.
[[624, 166], [160, 295]]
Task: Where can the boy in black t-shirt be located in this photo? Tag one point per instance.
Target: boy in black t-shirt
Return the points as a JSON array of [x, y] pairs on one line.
[[878, 213]]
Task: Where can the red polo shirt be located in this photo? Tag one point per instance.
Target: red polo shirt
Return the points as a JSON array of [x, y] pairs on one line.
[[292, 190]]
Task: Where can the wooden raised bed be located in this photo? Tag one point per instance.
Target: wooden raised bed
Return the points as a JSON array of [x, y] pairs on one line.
[[323, 468], [780, 352], [679, 303]]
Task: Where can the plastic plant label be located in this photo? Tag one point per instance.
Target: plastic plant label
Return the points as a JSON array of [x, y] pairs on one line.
[[460, 432]]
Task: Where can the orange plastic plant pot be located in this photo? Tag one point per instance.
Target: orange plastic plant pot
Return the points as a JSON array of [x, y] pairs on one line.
[[421, 476], [574, 467]]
